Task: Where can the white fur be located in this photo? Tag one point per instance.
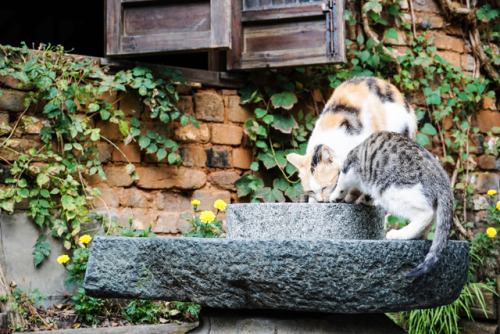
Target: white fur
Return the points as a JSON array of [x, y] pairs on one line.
[[403, 202]]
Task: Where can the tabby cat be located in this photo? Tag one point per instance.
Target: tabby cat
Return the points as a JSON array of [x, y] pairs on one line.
[[406, 180], [356, 109]]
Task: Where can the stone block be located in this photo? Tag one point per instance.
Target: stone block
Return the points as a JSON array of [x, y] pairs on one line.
[[171, 201], [116, 176], [227, 134], [487, 162], [480, 202], [4, 119], [139, 199], [170, 177], [12, 100], [193, 156], [168, 222], [110, 130], [237, 112], [450, 56], [104, 150], [207, 197], [447, 42], [127, 153], [107, 198], [157, 126], [33, 125], [468, 62], [490, 103], [191, 134], [486, 119], [425, 20], [131, 105], [185, 104], [218, 157], [20, 145], [18, 235], [487, 181], [242, 158], [223, 179], [401, 39], [209, 106], [334, 276]]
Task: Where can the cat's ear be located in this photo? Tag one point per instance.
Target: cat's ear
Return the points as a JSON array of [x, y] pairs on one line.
[[327, 155], [296, 159]]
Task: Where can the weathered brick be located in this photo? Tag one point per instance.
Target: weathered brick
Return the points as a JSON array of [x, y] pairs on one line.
[[4, 118], [171, 201], [447, 42], [116, 176], [486, 181], [480, 202], [169, 222], [468, 62], [488, 103], [487, 162], [218, 157], [104, 150], [209, 106], [11, 82], [185, 104], [157, 126], [141, 218], [486, 119], [139, 198], [131, 105], [451, 57], [401, 40], [127, 152], [237, 112], [12, 100], [107, 198], [227, 134], [110, 130], [223, 179], [193, 156], [190, 134], [207, 198], [33, 125], [242, 158], [425, 20], [170, 177], [20, 145], [429, 6]]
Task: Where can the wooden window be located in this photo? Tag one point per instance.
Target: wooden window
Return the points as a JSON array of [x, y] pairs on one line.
[[148, 27], [255, 33]]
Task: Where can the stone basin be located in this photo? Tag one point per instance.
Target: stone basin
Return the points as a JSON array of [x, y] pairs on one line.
[[305, 220], [277, 258]]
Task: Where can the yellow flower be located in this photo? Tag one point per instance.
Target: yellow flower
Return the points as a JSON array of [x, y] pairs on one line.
[[207, 216], [492, 192], [491, 232], [498, 205], [220, 205], [195, 202], [85, 239], [63, 259]]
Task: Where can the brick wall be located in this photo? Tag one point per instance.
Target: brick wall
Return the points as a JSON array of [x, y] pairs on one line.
[[215, 155]]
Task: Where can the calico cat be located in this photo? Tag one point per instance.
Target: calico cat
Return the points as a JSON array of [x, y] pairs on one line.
[[357, 108], [406, 180]]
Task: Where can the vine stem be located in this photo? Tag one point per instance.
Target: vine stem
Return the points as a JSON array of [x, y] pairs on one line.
[[15, 127], [277, 164], [116, 147]]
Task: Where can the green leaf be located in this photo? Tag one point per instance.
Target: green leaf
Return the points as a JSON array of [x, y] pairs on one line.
[[268, 119], [280, 184], [422, 139], [172, 158], [254, 166], [284, 100], [161, 154], [284, 123], [260, 112], [391, 33], [144, 142], [123, 126], [429, 129], [267, 160], [42, 179], [270, 195]]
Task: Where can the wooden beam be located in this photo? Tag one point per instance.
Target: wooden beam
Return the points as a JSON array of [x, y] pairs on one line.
[[193, 77]]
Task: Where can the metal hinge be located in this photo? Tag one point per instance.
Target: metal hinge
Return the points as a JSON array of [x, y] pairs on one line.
[[329, 9]]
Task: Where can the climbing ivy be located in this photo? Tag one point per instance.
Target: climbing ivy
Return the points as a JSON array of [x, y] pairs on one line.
[[71, 95]]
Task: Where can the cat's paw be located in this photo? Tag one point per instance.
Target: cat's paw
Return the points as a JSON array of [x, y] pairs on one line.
[[395, 235]]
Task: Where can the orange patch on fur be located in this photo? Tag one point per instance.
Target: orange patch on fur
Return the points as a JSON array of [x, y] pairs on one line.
[[330, 121]]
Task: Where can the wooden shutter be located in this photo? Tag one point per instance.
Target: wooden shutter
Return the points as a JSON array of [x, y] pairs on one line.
[[157, 26], [279, 33]]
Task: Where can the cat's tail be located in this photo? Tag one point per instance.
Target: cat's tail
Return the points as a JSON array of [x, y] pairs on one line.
[[444, 221]]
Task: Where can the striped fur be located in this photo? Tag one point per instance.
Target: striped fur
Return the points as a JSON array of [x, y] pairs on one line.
[[356, 109], [405, 179]]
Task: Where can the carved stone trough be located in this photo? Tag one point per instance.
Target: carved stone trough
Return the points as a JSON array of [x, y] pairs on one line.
[[281, 256]]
